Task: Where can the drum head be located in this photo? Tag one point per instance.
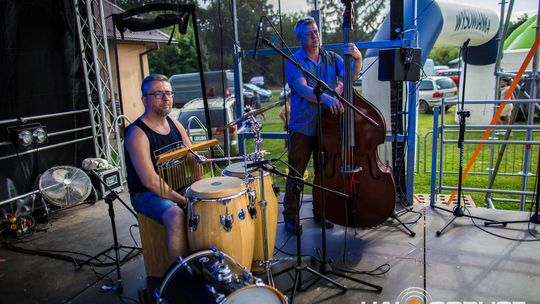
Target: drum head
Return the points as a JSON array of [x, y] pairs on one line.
[[256, 294], [237, 170], [216, 187]]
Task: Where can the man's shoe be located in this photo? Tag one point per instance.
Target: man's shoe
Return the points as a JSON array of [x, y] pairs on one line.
[[290, 227], [317, 218]]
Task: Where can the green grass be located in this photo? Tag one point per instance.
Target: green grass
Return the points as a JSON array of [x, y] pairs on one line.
[[478, 178]]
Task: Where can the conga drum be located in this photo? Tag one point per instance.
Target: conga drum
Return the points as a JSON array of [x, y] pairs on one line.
[[254, 183], [218, 217]]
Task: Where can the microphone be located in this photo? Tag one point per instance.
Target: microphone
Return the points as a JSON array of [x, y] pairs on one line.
[[258, 36], [466, 43], [261, 162]]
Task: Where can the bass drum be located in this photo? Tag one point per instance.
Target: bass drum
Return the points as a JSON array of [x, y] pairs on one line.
[[211, 276]]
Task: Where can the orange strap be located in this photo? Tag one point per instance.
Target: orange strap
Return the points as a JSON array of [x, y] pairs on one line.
[[507, 96]]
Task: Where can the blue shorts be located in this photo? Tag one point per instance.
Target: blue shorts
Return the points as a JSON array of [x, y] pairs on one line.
[[151, 205]]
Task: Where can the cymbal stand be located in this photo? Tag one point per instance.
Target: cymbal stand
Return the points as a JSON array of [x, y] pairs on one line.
[[258, 155]]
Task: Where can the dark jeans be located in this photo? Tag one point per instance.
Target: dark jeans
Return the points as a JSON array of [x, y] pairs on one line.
[[300, 148]]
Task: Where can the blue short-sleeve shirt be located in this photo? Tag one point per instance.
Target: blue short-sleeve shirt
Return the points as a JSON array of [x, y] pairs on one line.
[[303, 115]]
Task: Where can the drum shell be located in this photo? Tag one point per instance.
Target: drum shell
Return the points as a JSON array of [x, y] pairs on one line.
[[206, 199], [254, 183]]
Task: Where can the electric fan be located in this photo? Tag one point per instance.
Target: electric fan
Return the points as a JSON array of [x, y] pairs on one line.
[[65, 186]]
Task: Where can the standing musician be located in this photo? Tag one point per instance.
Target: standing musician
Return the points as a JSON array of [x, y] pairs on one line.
[[327, 66], [151, 135]]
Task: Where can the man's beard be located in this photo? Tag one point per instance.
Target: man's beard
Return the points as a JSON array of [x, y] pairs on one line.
[[163, 113]]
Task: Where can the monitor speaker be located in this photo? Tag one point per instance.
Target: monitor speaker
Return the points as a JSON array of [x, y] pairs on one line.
[[399, 64]]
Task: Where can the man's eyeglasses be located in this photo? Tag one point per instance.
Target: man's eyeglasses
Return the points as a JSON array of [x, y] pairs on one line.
[[160, 95]]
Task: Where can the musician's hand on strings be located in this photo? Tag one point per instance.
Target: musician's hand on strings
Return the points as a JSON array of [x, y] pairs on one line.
[[351, 49], [339, 87], [333, 104]]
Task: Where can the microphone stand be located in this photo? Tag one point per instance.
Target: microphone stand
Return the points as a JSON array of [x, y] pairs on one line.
[[109, 199], [300, 265], [318, 90], [459, 210]]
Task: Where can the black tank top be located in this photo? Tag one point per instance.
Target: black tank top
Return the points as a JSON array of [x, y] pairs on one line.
[[159, 144]]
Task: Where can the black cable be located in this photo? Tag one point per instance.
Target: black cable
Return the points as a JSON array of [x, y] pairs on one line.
[[536, 239], [131, 234]]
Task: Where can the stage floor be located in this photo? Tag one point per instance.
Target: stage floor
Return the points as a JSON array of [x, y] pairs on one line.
[[463, 264]]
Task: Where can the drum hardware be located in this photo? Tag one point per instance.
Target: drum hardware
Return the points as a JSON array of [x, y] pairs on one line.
[[276, 189], [218, 297], [227, 221], [211, 276], [252, 211], [193, 222]]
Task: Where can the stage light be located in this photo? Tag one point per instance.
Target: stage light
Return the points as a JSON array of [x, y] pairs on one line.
[[39, 135], [28, 135], [24, 138]]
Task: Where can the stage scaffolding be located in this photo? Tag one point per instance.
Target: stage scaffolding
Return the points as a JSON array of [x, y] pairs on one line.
[[98, 80]]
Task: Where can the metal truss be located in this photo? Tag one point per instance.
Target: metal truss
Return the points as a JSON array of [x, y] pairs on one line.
[[98, 80]]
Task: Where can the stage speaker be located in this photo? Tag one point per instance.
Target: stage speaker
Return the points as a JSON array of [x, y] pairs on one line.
[[399, 64]]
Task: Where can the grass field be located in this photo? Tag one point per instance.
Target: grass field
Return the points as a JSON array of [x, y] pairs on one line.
[[512, 162]]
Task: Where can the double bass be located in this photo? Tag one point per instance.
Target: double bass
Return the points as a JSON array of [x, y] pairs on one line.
[[351, 164]]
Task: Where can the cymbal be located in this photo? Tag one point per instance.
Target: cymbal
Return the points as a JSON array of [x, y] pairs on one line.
[[252, 113]]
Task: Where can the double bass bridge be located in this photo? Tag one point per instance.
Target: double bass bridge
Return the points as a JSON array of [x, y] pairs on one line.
[[350, 169]]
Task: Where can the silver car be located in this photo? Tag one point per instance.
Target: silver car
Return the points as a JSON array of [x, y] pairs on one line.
[[193, 119], [432, 90]]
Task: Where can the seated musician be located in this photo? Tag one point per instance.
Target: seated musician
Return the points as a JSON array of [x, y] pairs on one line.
[[151, 135]]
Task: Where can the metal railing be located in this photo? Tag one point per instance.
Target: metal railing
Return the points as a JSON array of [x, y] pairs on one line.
[[505, 164]]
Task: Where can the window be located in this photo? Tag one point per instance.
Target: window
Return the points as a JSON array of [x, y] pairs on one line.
[[426, 85], [445, 83]]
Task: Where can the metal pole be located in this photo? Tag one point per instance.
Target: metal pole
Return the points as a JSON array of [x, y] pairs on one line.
[[530, 121], [238, 84], [434, 155]]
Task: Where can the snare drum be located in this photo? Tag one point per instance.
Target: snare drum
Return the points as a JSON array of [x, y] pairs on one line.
[[214, 277], [253, 179], [218, 216]]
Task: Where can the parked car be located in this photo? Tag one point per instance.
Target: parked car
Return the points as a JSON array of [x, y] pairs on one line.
[[440, 68], [284, 91], [263, 94], [188, 86], [450, 73], [258, 81], [192, 117], [432, 90]]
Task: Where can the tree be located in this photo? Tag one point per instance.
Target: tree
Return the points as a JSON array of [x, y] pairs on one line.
[[365, 21], [178, 58], [443, 54], [515, 24]]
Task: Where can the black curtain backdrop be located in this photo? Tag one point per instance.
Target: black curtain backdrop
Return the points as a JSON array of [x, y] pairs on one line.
[[41, 73]]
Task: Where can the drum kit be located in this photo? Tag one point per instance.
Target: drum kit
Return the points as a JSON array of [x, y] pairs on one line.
[[237, 214]]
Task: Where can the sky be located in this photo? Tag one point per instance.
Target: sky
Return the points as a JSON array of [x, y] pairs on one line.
[[520, 6]]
